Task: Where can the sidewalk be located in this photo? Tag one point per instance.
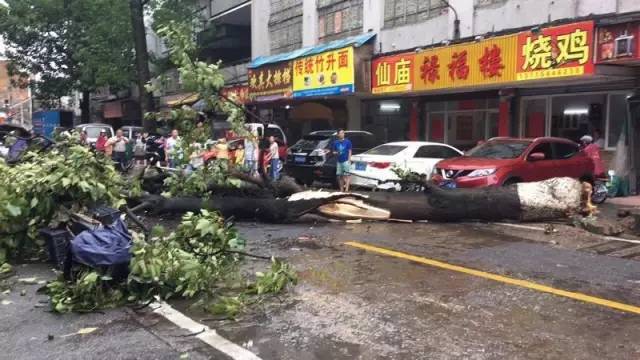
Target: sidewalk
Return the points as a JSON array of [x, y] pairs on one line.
[[628, 201]]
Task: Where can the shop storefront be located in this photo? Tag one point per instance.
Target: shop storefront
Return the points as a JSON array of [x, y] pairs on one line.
[[526, 84], [313, 88]]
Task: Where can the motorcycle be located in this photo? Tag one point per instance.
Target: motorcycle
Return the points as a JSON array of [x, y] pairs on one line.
[[600, 191]]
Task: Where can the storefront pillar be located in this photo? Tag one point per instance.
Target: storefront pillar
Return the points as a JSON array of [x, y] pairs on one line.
[[413, 121], [354, 112], [504, 115]]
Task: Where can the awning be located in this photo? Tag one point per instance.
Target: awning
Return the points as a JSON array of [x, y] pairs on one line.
[[355, 41], [183, 99]]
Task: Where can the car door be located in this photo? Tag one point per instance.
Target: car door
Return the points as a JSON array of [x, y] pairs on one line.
[[537, 170], [567, 162]]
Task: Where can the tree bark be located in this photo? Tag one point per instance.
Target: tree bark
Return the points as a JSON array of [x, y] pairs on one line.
[[85, 107], [142, 61], [538, 201]]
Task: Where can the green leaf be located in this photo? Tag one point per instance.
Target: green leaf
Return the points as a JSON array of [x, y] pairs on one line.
[[13, 210]]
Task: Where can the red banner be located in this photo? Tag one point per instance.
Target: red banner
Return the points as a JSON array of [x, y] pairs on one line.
[[556, 52]]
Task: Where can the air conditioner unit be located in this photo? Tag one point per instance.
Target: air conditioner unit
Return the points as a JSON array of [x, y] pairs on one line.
[[623, 46]]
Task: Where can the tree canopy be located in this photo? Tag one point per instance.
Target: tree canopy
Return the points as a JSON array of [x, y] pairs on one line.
[[66, 45]]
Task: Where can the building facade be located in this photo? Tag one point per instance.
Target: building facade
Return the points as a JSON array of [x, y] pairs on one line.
[[460, 71]]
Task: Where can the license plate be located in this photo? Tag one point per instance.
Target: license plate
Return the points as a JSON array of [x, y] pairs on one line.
[[448, 184], [299, 159], [361, 166]]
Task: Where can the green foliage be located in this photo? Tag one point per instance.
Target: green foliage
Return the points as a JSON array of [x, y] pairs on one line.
[[41, 189], [197, 260], [275, 280], [90, 292], [198, 182], [197, 76], [70, 44]]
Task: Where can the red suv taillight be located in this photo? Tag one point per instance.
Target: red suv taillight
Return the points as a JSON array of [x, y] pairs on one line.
[[380, 165]]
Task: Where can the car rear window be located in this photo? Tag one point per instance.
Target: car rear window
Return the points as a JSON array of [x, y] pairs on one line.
[[499, 149], [386, 150], [94, 131]]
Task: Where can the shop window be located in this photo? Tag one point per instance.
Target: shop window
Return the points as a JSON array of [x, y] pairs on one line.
[[617, 118], [402, 12], [492, 124], [575, 116], [436, 127], [535, 111]]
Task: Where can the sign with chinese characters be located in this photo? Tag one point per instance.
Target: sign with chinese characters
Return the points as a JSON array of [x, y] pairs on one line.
[[328, 73], [237, 93], [392, 73], [618, 43], [556, 52], [484, 62], [270, 82]]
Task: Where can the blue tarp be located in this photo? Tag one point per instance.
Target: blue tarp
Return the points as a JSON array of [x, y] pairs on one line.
[[103, 247], [355, 41]]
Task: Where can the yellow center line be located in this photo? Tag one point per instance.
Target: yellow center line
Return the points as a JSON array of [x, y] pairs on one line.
[[499, 278]]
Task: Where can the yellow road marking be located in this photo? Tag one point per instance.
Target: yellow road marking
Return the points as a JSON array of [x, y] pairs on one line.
[[499, 278]]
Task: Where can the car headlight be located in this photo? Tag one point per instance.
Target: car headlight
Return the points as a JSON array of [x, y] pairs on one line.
[[482, 172]]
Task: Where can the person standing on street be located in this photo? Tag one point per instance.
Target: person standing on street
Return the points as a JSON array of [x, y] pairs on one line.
[[343, 148], [119, 144], [170, 149], [251, 155], [102, 141], [274, 159]]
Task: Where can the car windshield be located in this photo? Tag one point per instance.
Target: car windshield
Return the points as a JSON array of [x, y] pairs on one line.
[[499, 149], [312, 142], [386, 150], [94, 131]]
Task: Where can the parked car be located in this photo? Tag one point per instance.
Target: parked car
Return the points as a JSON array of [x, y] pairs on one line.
[[373, 169], [93, 131], [311, 158], [131, 131], [505, 161]]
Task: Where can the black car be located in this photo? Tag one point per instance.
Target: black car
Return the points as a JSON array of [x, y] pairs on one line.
[[312, 159]]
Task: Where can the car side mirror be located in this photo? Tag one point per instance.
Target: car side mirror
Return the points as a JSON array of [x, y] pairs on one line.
[[537, 156]]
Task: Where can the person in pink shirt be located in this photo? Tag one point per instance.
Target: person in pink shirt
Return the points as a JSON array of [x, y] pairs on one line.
[[592, 150]]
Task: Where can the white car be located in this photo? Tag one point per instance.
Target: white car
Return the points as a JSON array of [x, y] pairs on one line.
[[373, 169]]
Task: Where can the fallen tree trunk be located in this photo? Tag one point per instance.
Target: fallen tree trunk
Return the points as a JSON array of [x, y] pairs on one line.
[[549, 199]]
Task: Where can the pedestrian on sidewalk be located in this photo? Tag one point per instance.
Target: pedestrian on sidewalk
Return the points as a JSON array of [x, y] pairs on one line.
[[274, 157], [592, 150], [342, 148], [238, 156]]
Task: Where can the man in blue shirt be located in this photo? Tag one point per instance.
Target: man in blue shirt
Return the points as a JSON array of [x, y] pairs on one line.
[[342, 148]]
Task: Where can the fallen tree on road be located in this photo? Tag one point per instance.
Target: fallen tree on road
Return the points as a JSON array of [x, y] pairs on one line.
[[550, 199]]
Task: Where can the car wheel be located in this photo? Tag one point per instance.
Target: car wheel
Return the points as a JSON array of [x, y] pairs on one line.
[[511, 182]]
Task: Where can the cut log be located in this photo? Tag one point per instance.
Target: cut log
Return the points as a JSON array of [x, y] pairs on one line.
[[550, 199]]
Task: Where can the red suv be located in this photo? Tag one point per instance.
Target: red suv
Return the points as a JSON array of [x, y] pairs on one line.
[[504, 161]]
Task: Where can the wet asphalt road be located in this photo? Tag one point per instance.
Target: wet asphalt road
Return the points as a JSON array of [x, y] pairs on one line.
[[354, 304]]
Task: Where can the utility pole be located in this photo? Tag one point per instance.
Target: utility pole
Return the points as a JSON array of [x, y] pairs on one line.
[[142, 60]]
